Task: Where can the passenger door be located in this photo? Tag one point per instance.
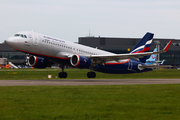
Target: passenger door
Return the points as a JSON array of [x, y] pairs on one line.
[[35, 39]]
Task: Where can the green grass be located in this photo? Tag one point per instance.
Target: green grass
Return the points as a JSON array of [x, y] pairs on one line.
[[127, 102], [14, 74]]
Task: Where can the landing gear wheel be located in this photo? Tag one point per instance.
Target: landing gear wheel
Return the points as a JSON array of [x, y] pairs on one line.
[[62, 75], [91, 74]]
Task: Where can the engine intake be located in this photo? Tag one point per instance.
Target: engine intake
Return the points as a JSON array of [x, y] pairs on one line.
[[80, 61], [37, 62]]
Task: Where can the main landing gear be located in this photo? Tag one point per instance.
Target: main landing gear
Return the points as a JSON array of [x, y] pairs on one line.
[[62, 74], [91, 74]]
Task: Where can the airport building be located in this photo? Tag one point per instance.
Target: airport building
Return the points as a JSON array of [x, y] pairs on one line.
[[13, 56], [115, 45]]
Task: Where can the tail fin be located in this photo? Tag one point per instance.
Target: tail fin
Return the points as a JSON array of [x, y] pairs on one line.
[[143, 46], [162, 62], [152, 58]]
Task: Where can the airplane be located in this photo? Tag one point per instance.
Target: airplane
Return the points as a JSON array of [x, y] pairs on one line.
[[44, 51]]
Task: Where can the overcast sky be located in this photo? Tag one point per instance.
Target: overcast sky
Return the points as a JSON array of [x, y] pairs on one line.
[[70, 19]]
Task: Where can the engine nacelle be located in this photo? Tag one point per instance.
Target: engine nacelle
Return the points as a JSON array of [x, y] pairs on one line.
[[80, 61], [37, 62]]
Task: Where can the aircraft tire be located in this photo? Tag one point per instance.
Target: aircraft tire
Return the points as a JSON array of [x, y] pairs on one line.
[[62, 75], [91, 74]]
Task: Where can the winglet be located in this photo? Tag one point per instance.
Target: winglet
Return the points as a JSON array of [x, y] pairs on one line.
[[167, 46]]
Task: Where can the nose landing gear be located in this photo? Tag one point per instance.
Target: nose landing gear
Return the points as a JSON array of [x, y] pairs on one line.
[[62, 74]]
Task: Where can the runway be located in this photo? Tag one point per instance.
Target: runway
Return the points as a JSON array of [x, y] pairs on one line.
[[68, 82]]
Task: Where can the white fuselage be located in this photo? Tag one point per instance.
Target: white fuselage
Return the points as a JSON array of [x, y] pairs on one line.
[[49, 46]]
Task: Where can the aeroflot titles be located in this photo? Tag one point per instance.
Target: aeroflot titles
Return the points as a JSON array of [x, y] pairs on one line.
[[53, 39]]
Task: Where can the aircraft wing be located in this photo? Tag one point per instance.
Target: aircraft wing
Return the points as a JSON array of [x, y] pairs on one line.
[[116, 57]]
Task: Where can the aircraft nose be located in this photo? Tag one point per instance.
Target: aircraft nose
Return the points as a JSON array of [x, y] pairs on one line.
[[9, 41]]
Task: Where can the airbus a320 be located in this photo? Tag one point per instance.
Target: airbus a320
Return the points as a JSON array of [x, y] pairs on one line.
[[45, 51]]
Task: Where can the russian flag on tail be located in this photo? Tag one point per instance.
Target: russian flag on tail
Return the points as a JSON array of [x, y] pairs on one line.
[[143, 45]]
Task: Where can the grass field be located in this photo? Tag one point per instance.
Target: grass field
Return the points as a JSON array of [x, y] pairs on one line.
[[109, 102], [126, 102], [14, 74]]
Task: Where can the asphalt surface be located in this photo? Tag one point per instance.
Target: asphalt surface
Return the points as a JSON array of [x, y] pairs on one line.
[[68, 82]]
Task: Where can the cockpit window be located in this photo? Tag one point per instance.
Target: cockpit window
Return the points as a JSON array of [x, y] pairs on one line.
[[20, 35], [16, 35]]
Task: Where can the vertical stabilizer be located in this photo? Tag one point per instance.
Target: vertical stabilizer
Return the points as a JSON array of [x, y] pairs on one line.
[[152, 58], [143, 45]]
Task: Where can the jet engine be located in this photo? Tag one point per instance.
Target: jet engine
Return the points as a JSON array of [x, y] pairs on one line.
[[38, 62], [80, 61]]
